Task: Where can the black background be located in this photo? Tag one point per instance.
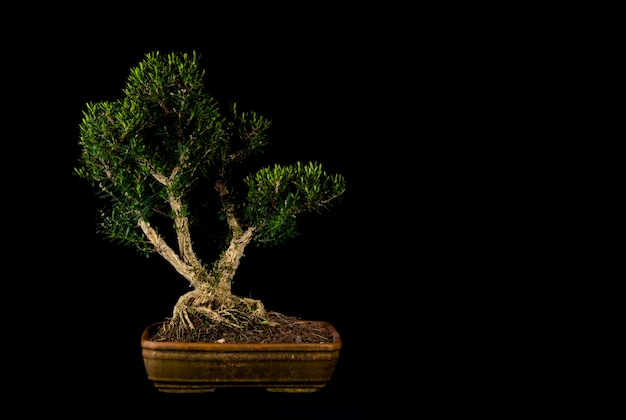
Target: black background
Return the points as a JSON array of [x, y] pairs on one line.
[[336, 93], [399, 102]]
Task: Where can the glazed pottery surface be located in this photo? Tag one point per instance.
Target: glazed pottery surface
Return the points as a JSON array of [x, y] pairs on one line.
[[184, 367]]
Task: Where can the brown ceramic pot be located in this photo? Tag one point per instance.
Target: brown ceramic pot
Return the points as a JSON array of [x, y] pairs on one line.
[[182, 367]]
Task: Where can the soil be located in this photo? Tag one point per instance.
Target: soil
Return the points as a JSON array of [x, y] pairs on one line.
[[279, 329]]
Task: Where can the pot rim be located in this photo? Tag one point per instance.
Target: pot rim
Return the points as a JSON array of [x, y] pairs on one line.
[[335, 345]]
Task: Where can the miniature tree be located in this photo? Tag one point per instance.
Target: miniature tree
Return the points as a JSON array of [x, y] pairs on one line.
[[147, 152]]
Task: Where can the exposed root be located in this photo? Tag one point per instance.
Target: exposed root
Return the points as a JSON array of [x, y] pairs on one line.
[[223, 311], [277, 328]]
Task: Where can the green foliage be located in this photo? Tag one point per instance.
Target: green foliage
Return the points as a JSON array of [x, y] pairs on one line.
[[277, 194], [165, 135]]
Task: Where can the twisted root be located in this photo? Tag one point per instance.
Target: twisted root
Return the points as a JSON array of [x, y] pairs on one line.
[[226, 310]]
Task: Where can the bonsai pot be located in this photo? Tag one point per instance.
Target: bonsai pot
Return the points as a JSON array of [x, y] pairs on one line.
[[194, 367]]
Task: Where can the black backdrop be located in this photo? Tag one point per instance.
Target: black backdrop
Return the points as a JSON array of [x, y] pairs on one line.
[[383, 98], [329, 92]]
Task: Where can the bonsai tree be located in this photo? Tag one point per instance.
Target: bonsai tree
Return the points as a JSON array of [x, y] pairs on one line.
[[166, 157]]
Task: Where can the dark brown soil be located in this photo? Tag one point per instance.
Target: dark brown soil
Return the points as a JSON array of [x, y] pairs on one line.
[[278, 329]]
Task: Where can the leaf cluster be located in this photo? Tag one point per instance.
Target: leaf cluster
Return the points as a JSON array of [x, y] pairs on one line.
[[277, 194], [151, 148]]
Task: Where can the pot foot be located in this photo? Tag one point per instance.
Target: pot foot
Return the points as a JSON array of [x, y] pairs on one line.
[[293, 390], [184, 389]]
